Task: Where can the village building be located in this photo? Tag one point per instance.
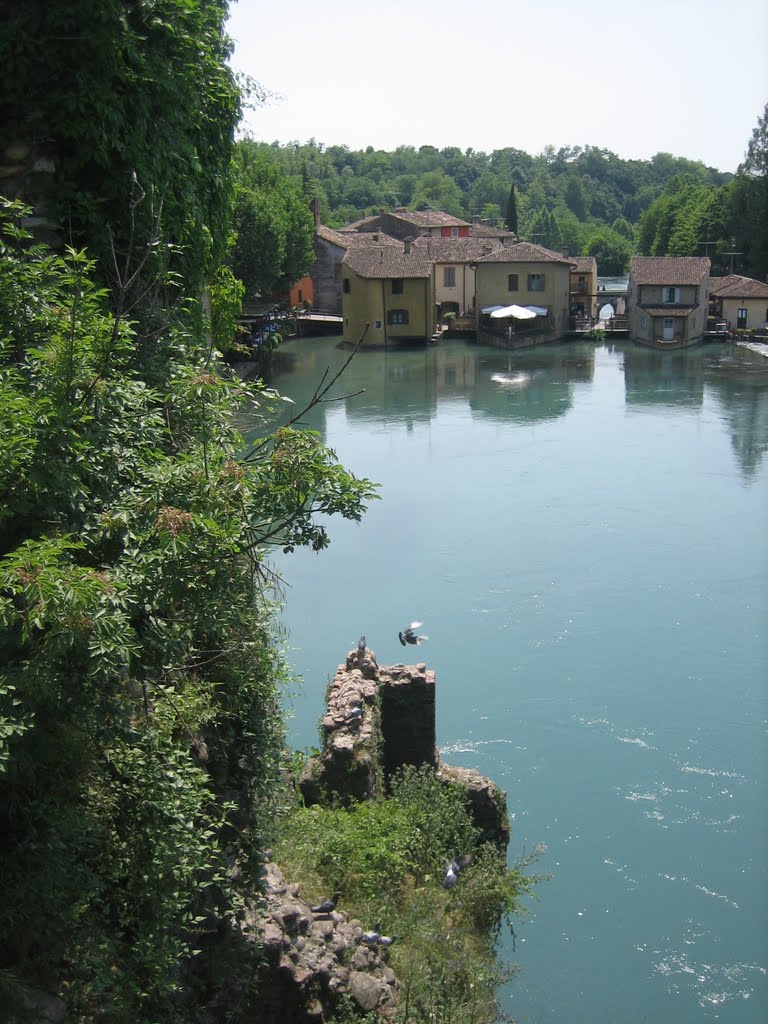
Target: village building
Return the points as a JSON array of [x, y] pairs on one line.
[[387, 294], [668, 300], [583, 284], [453, 270], [528, 277], [741, 302]]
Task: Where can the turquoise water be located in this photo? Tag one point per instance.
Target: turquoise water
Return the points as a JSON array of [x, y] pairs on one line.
[[583, 531]]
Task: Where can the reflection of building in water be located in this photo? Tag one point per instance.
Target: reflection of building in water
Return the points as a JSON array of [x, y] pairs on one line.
[[402, 388], [529, 387], [663, 378], [740, 386]]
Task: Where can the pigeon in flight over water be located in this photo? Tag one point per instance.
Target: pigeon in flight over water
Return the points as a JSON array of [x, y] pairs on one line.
[[408, 635], [327, 906], [453, 867]]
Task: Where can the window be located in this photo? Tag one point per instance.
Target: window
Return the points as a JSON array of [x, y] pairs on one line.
[[535, 282], [454, 232], [346, 285], [397, 316], [741, 319], [671, 295], [512, 282], [397, 286], [449, 277], [582, 285]]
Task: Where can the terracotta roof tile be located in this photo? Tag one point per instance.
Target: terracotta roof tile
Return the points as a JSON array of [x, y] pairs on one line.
[[354, 239], [455, 250], [429, 218], [387, 261], [525, 252], [734, 286], [585, 264], [669, 270]]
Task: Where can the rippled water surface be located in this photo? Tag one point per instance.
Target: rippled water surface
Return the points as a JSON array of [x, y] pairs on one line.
[[583, 531]]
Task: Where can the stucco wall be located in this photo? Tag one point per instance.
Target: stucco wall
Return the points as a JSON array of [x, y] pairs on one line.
[[492, 290], [369, 300]]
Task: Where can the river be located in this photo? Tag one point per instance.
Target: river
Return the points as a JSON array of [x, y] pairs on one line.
[[582, 529]]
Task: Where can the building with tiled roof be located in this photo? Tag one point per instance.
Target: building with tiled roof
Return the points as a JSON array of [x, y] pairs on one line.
[[453, 269], [387, 294], [526, 275], [742, 302], [668, 300]]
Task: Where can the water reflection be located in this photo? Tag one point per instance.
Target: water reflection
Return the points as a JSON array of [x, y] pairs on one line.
[[409, 385]]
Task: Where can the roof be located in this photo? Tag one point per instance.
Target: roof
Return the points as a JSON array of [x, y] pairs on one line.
[[387, 261], [429, 218], [486, 231], [584, 264], [354, 239], [364, 224], [734, 286], [525, 252], [455, 250], [669, 270], [668, 310]]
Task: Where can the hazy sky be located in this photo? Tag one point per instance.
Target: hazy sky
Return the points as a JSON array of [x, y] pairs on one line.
[[688, 77]]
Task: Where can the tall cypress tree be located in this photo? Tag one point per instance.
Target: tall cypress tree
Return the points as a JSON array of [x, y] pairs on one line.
[[512, 210]]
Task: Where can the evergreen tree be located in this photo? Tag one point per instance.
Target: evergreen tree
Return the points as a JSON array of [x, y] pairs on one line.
[[511, 217]]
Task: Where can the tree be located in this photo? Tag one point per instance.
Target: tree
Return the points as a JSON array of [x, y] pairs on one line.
[[145, 105], [274, 228], [141, 737], [611, 250], [511, 216]]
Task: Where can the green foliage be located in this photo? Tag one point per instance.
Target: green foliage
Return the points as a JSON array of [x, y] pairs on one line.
[[226, 306], [149, 108], [387, 858], [274, 228], [610, 249], [141, 735]]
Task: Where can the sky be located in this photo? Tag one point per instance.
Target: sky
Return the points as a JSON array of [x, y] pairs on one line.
[[687, 77]]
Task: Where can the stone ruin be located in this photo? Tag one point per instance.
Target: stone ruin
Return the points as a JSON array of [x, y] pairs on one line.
[[377, 720]]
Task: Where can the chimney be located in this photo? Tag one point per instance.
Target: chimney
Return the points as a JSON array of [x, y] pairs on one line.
[[376, 236], [566, 250], [407, 246]]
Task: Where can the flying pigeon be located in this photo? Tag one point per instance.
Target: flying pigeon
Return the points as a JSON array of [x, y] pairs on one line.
[[453, 867], [408, 636], [327, 906], [361, 647]]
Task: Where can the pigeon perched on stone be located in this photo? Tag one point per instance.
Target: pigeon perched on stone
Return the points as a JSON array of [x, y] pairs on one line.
[[408, 635], [327, 906], [375, 938], [354, 713], [387, 940], [453, 867], [361, 647]]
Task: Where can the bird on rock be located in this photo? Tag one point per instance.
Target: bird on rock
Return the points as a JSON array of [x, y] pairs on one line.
[[408, 635], [453, 867], [372, 937], [354, 713], [361, 647], [327, 906]]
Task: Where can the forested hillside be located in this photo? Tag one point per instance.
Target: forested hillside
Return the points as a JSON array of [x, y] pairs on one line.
[[588, 200]]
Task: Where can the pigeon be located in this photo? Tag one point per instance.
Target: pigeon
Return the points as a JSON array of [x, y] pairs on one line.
[[453, 867], [327, 906], [361, 647], [354, 713], [375, 938], [408, 635], [372, 937]]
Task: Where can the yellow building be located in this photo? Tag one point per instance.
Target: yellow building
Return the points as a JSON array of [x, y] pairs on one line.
[[668, 300], [584, 286], [524, 275], [388, 295], [741, 301], [453, 269]]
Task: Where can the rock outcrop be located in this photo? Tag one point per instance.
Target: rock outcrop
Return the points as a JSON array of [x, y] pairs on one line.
[[379, 719], [312, 960]]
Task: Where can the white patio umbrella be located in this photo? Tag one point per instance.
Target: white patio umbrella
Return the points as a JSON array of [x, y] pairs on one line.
[[518, 312]]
